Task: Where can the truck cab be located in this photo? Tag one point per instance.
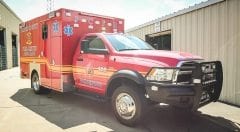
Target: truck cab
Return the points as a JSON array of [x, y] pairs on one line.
[[131, 73]]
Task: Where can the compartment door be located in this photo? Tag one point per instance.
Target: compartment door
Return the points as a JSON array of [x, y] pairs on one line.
[[56, 55], [52, 55]]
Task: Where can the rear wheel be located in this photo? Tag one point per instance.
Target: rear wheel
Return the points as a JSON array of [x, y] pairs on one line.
[[129, 104], [35, 85]]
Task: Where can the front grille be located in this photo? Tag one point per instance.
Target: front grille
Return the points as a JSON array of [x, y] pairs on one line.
[[185, 73], [184, 77]]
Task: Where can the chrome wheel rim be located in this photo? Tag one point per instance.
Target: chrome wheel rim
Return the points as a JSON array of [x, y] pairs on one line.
[[35, 83], [125, 106]]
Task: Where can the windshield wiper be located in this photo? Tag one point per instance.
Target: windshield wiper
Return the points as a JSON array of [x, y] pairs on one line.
[[128, 49], [146, 49], [133, 49]]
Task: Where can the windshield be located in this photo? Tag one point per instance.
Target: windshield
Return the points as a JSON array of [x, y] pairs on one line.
[[123, 42]]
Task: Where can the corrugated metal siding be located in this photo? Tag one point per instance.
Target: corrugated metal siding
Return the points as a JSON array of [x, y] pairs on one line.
[[212, 32], [238, 62], [11, 23]]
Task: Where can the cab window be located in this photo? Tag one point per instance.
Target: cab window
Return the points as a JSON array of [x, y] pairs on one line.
[[93, 44], [96, 43]]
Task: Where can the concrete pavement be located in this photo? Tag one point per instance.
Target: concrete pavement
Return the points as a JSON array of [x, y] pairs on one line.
[[22, 110]]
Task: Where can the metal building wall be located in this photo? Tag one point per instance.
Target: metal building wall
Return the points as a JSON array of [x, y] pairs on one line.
[[10, 22], [212, 32]]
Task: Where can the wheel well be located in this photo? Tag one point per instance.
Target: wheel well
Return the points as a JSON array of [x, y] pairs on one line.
[[33, 71], [117, 82]]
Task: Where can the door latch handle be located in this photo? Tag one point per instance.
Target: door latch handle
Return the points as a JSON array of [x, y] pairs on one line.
[[53, 62], [80, 59]]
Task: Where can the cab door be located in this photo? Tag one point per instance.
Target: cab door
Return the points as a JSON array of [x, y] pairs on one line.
[[94, 60]]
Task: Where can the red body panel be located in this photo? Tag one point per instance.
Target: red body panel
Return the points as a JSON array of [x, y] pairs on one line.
[[52, 57]]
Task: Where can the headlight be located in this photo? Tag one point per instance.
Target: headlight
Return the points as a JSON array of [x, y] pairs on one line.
[[158, 74]]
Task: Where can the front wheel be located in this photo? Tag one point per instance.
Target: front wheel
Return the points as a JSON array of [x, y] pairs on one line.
[[128, 104], [35, 85]]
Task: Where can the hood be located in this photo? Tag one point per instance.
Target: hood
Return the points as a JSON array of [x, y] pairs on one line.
[[162, 57]]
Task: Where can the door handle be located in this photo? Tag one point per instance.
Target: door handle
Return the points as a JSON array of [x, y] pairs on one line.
[[80, 59], [53, 62]]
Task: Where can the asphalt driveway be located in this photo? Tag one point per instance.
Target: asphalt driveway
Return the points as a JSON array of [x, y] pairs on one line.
[[22, 110]]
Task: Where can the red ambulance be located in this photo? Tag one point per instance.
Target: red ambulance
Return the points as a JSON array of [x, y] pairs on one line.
[[73, 51]]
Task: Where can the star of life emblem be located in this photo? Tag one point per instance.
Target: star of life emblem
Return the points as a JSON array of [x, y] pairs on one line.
[[68, 30]]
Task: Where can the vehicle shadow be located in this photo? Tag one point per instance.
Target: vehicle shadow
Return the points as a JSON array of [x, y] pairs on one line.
[[68, 110]]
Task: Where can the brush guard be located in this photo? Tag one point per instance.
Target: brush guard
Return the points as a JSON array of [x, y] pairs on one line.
[[209, 85]]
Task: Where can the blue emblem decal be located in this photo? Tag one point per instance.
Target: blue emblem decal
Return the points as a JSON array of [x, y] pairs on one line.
[[68, 30], [55, 27]]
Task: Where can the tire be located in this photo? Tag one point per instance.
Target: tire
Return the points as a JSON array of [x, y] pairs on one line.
[[129, 97], [35, 85]]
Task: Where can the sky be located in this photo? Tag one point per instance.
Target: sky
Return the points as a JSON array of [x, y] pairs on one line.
[[135, 12]]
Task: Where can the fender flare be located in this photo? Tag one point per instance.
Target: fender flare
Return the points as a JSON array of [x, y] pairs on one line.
[[127, 74]]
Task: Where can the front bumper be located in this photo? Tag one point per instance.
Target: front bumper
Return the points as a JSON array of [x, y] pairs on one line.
[[172, 94], [193, 95]]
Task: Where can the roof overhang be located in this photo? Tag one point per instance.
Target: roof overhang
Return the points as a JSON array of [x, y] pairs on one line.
[[6, 6]]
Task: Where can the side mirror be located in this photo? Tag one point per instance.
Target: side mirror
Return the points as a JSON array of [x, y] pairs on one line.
[[155, 45], [84, 46]]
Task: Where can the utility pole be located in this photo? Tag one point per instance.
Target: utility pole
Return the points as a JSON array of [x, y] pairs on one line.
[[50, 5]]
